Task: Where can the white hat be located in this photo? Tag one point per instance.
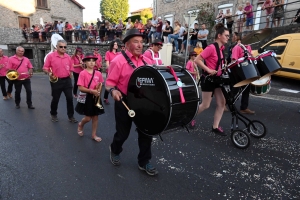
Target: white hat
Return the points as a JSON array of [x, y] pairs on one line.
[[159, 17]]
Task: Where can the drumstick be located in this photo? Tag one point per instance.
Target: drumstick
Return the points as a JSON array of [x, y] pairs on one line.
[[125, 105], [131, 113]]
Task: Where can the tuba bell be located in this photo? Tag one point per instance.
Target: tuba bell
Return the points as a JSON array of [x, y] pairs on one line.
[[12, 75]]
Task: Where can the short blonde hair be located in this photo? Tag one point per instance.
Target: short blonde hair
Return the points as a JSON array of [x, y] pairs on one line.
[[199, 44]]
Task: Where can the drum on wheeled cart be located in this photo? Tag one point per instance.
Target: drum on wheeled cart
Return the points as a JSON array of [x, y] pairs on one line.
[[156, 94]]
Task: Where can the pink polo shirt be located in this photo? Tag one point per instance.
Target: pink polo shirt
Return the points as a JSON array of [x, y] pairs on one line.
[[209, 54], [270, 9], [61, 66], [85, 78], [14, 62], [109, 56], [76, 61], [120, 70], [148, 54], [190, 67], [3, 65], [238, 52], [98, 61]]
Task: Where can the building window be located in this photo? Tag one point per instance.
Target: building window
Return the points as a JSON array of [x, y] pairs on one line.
[[24, 20], [42, 3]]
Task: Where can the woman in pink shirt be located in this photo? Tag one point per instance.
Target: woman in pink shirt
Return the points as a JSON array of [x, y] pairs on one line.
[[78, 67], [98, 65], [211, 72], [191, 65], [89, 83], [268, 6], [109, 56], [3, 70], [153, 53]]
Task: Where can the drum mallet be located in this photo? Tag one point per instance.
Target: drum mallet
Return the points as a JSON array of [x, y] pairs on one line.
[[131, 113]]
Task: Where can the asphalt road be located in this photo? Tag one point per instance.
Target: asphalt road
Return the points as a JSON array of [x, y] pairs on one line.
[[40, 159]]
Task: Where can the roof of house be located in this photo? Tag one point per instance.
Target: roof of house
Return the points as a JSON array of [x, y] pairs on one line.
[[78, 4], [140, 10]]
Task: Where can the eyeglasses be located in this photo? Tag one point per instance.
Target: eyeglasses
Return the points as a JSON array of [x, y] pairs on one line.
[[227, 36], [63, 47]]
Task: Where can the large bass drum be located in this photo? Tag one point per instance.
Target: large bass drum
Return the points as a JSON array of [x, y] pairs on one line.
[[154, 95]]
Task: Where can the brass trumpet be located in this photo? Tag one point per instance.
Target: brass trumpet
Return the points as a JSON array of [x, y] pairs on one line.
[[52, 77], [98, 98], [12, 75]]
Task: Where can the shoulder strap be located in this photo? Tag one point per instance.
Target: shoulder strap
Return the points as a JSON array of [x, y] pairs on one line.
[[91, 79], [219, 55], [129, 61], [20, 64]]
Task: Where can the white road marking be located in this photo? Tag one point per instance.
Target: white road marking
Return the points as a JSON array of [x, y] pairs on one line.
[[289, 90]]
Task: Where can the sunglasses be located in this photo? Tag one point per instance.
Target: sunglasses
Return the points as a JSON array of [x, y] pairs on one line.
[[63, 47]]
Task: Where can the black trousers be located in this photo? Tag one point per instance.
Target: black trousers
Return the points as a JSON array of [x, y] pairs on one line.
[[75, 87], [245, 96], [3, 88], [123, 126], [10, 85], [204, 43], [62, 85], [18, 88], [229, 26]]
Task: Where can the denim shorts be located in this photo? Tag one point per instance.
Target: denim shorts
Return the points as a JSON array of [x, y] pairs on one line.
[[249, 21]]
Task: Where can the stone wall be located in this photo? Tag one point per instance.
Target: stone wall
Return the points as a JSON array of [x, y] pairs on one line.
[[39, 50], [10, 35]]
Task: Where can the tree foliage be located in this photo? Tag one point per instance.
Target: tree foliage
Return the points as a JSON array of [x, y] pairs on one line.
[[113, 10], [206, 15], [146, 14]]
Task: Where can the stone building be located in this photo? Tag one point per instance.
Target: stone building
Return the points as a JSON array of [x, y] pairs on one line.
[[175, 9], [30, 12]]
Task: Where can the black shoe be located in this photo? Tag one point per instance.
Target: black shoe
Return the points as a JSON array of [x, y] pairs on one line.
[[54, 118], [149, 169], [17, 106], [73, 120], [219, 131], [114, 158], [31, 107]]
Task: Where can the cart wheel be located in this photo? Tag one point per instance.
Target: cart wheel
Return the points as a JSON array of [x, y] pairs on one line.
[[240, 139], [257, 129]]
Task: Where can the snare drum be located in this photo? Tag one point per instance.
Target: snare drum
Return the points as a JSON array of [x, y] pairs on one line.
[[153, 94], [261, 86], [267, 64], [242, 72]]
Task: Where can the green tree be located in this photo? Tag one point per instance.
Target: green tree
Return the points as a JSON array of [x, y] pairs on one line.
[[146, 14], [113, 10], [206, 15]]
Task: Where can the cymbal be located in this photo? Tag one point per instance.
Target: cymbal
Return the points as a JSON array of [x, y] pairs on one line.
[[256, 36]]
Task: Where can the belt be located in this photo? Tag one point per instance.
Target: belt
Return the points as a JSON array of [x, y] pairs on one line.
[[64, 78]]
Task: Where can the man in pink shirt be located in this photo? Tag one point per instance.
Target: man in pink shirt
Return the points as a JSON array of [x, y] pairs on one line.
[[154, 54], [116, 84], [3, 71], [58, 64], [238, 52], [23, 66]]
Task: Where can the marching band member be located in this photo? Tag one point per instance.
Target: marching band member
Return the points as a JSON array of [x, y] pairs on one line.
[[3, 70], [59, 64], [78, 67], [191, 65], [109, 56], [238, 52], [98, 64], [121, 69], [153, 54], [212, 70], [23, 66], [89, 83]]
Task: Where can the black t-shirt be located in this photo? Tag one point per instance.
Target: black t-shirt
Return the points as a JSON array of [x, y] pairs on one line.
[[167, 33], [98, 25], [194, 37], [102, 25]]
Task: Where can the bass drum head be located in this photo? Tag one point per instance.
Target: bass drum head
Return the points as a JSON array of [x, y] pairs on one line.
[[147, 97]]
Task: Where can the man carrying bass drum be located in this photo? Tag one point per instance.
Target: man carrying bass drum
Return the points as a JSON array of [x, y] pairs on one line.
[[116, 84], [212, 70]]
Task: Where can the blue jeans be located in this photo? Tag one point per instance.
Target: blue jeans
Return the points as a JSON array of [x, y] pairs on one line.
[[175, 37], [157, 35], [150, 33]]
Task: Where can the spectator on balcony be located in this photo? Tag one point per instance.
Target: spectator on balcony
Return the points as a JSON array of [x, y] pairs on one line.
[[268, 6], [60, 28], [24, 32], [153, 28], [68, 32], [229, 20], [110, 32], [147, 28], [278, 12], [84, 28], [54, 28], [120, 27], [48, 27], [249, 15], [93, 33], [77, 29], [166, 31], [35, 33], [220, 17], [175, 35], [129, 24], [159, 25], [297, 17], [240, 19], [202, 36]]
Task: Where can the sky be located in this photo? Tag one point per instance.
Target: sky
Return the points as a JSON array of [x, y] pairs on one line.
[[91, 11]]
